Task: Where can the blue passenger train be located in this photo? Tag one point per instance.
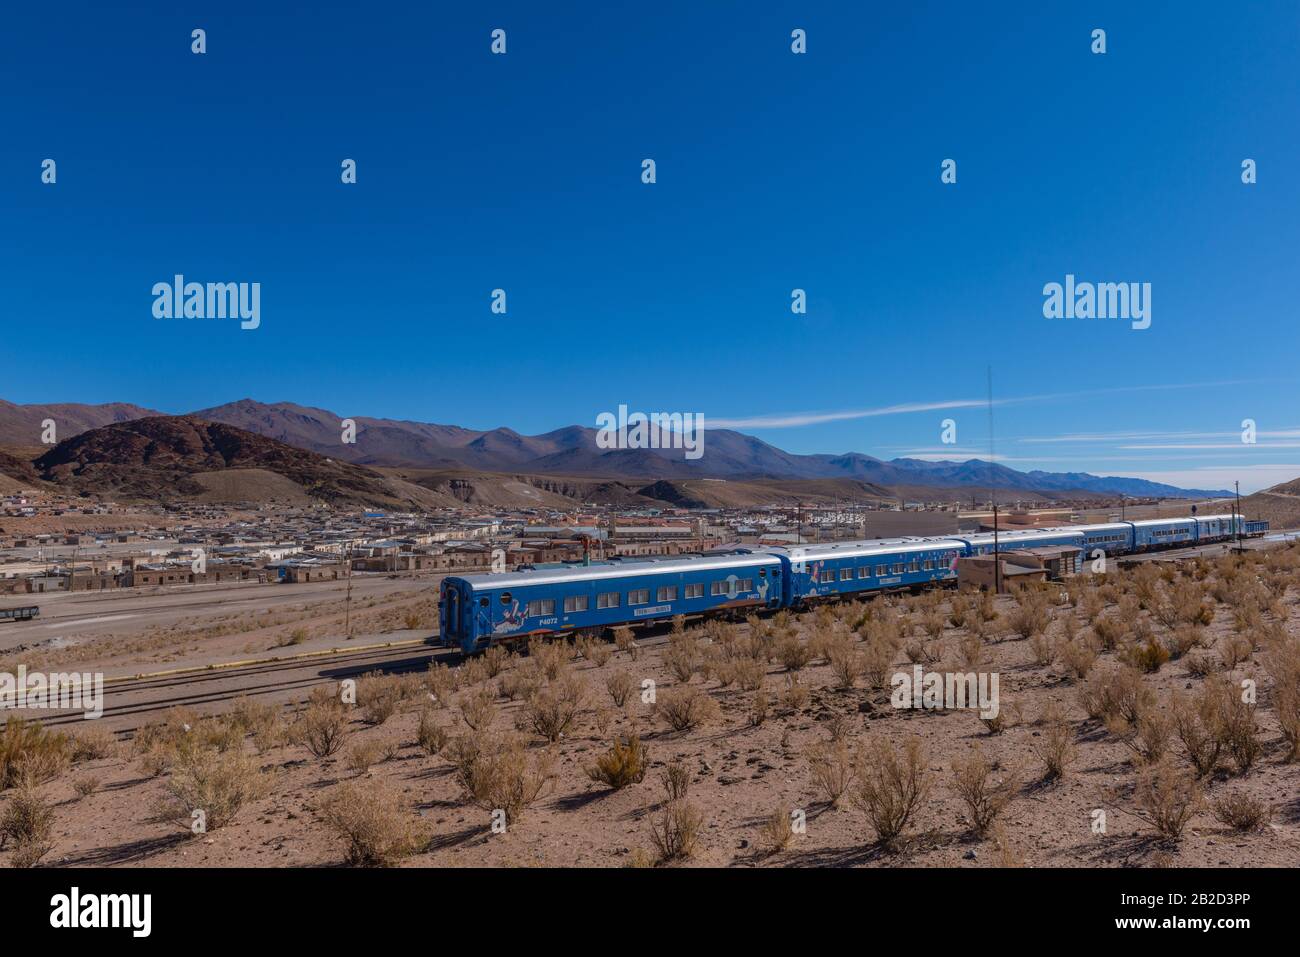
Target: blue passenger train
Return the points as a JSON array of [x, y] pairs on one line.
[[476, 611]]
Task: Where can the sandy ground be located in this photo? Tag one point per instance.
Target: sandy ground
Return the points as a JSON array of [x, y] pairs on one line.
[[739, 773]]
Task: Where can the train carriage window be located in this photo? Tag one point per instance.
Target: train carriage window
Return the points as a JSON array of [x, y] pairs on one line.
[[575, 603], [846, 574], [541, 606], [864, 571], [745, 584], [717, 588], [483, 602], [608, 599], [505, 598], [638, 596], [828, 576], [695, 591], [666, 593], [882, 571], [899, 568]]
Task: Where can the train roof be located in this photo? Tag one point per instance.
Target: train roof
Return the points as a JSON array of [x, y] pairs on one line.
[[1099, 527], [1026, 534], [619, 569], [869, 546], [1148, 522]]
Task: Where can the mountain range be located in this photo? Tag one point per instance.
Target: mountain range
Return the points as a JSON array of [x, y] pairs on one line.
[[395, 444]]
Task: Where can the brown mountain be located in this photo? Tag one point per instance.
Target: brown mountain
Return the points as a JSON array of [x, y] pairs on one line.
[[21, 425], [170, 458], [1278, 505], [572, 451]]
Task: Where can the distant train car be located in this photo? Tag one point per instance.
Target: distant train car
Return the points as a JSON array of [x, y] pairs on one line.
[[476, 611], [1217, 528], [983, 542], [1113, 538], [25, 613], [1255, 529], [1156, 533], [846, 569]]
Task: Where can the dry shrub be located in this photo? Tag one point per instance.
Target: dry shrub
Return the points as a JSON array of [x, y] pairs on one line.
[[846, 663], [682, 658], [1031, 616], [984, 787], [520, 683], [889, 784], [217, 783], [1239, 732], [620, 686], [321, 726], [378, 697], [478, 708], [551, 711], [92, 744], [551, 657], [832, 767], [759, 708], [675, 831], [1197, 721], [370, 818], [27, 821], [1233, 650], [793, 653], [686, 708], [1042, 649], [494, 660], [441, 683], [362, 756], [795, 694], [30, 754], [1282, 662], [1109, 631], [1199, 665], [598, 652], [623, 764], [777, 831], [1054, 745], [1242, 812], [748, 673], [1146, 656], [625, 643], [1116, 692], [1148, 738], [877, 663], [1168, 798], [499, 775], [1078, 656], [676, 780], [971, 651], [86, 785]]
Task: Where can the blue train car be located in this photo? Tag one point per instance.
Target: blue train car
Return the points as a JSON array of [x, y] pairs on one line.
[[478, 610], [1113, 538], [1217, 528], [1255, 529], [846, 569], [982, 543], [1163, 533]]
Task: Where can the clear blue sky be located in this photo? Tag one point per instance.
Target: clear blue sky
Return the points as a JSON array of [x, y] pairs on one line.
[[775, 171]]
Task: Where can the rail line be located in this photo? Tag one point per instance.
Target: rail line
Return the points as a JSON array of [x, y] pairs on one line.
[[397, 659]]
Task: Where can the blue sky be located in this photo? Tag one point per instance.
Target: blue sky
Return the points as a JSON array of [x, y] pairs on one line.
[[775, 172]]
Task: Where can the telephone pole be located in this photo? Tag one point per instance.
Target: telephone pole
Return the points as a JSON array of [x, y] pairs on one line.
[[997, 561]]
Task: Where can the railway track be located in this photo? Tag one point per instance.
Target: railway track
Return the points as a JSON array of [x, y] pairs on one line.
[[216, 684]]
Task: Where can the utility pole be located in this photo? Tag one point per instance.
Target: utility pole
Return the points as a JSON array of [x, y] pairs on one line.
[[997, 561], [347, 601], [1237, 521]]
